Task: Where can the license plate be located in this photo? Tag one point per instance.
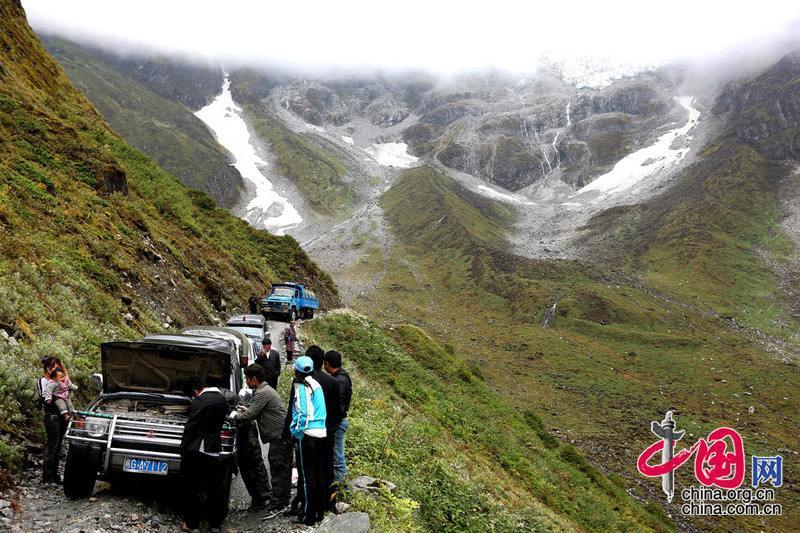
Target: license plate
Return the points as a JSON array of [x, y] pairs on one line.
[[145, 466]]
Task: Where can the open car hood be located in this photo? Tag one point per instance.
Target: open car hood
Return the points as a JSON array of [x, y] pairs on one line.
[[164, 363]]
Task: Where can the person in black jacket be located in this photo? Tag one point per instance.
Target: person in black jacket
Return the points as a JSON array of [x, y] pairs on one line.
[[270, 361], [252, 303], [333, 366], [201, 467], [330, 390]]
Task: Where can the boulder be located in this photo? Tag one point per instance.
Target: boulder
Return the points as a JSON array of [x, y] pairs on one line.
[[371, 485], [345, 523]]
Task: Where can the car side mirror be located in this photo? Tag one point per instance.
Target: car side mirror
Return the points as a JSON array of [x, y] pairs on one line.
[[97, 381]]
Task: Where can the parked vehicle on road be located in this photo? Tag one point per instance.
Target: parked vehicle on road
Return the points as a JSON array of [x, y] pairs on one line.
[[246, 347], [134, 426], [290, 300], [254, 326]]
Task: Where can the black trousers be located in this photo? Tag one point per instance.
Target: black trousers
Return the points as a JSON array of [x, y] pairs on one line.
[[251, 463], [327, 472], [280, 471], [311, 451], [55, 425], [273, 382], [203, 474]]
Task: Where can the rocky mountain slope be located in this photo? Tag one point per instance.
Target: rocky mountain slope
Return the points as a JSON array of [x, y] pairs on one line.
[[508, 132], [150, 104], [98, 242]]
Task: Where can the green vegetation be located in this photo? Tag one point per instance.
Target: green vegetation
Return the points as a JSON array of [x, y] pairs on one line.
[[700, 241], [436, 213], [317, 172], [617, 354], [97, 242], [466, 458], [164, 129]]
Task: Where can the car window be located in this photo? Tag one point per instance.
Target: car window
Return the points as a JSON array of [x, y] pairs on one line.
[[250, 331]]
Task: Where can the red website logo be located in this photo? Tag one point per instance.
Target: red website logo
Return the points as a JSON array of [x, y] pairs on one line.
[[714, 464]]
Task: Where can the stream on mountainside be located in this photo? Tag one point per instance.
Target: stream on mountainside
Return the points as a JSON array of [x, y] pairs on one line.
[[267, 209]]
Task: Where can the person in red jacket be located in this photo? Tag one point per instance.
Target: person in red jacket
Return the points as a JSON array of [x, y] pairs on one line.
[[290, 339]]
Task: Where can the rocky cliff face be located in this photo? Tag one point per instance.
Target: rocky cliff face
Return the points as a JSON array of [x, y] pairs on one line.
[[193, 85], [765, 111], [509, 133], [149, 103]]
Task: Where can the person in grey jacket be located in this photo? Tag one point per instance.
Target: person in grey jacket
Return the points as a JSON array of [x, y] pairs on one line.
[[269, 412]]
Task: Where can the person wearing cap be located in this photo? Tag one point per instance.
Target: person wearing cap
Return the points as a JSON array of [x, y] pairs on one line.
[[308, 429], [270, 360], [333, 366], [330, 388]]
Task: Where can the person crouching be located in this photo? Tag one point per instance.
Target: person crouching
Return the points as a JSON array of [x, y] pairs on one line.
[[308, 428]]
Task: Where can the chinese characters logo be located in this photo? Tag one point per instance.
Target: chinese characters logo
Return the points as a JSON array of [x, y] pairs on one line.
[[719, 459]]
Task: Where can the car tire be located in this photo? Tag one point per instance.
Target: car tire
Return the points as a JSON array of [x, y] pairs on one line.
[[310, 314], [79, 474]]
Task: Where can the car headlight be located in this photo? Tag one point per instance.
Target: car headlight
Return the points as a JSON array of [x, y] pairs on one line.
[[96, 427]]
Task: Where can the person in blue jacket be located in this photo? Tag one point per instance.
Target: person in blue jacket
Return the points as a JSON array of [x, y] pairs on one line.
[[308, 429]]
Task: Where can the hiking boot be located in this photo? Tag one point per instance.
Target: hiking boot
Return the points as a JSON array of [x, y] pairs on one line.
[[274, 510], [257, 505]]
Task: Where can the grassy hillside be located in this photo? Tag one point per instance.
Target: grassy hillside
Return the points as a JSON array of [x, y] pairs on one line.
[[318, 173], [163, 128], [466, 459], [616, 355], [96, 241], [711, 239]]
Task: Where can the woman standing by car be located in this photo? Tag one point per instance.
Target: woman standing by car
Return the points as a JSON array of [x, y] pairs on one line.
[[55, 425]]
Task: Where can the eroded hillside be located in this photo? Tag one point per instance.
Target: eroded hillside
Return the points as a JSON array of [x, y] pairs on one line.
[[96, 241]]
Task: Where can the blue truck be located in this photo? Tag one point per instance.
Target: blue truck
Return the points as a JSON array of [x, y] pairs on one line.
[[292, 300]]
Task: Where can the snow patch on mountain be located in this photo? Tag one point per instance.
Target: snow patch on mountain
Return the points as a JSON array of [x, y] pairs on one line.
[[267, 209], [640, 164], [392, 155], [503, 197], [594, 72]]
